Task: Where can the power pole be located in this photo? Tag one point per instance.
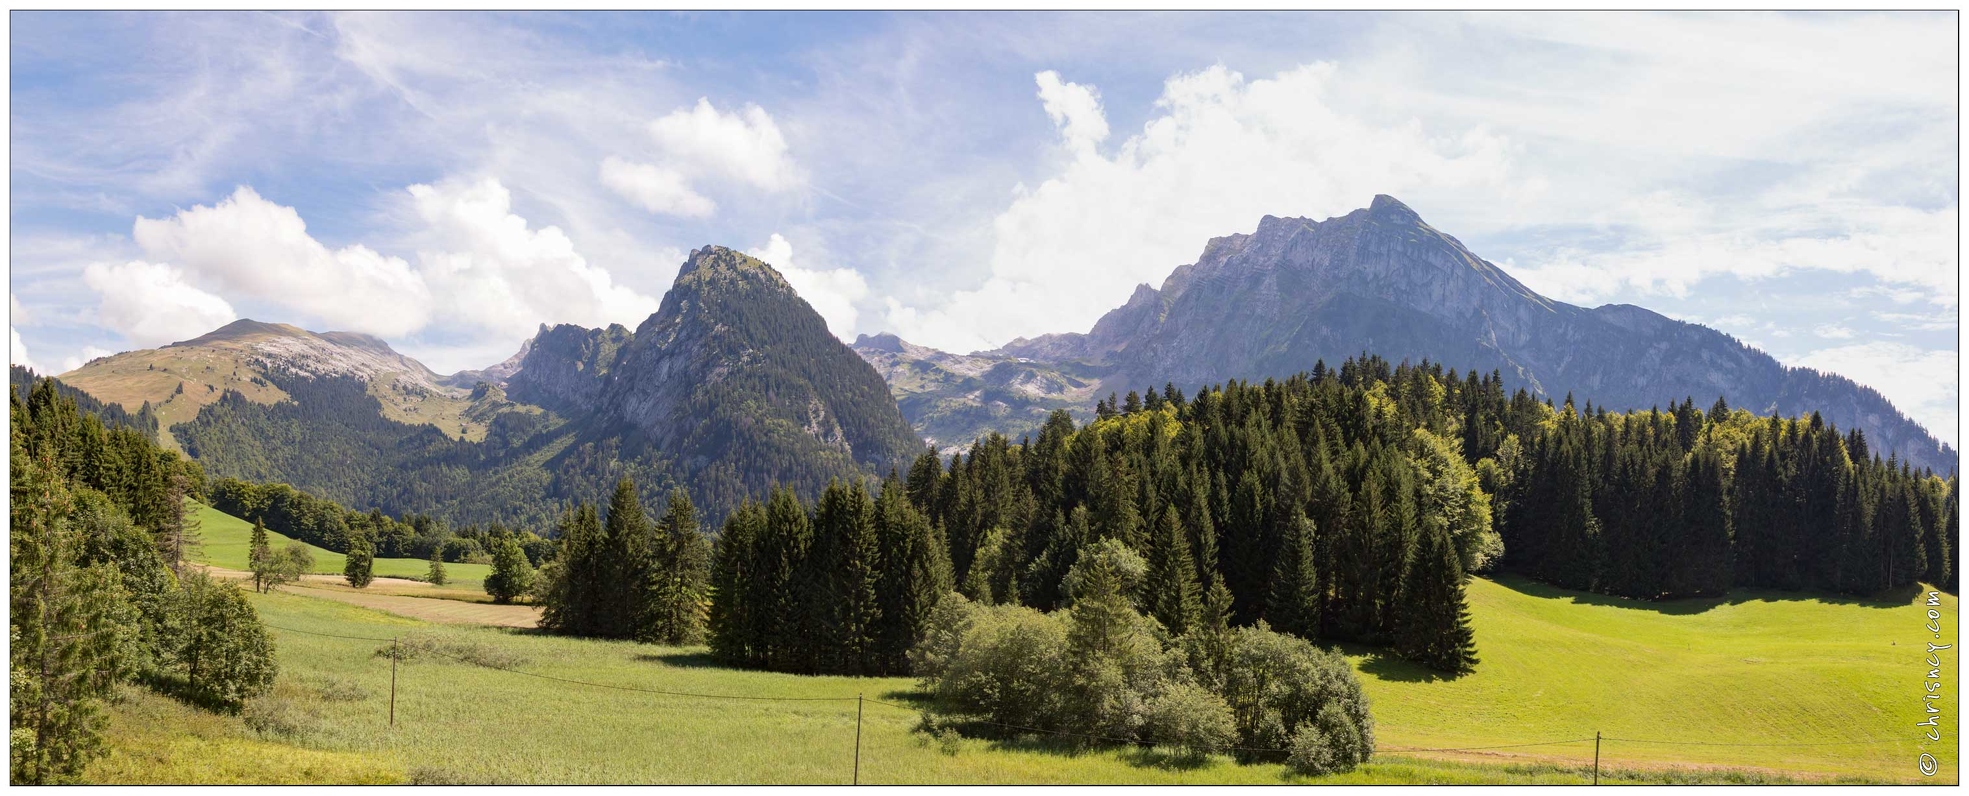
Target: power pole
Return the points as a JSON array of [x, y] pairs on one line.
[[393, 682], [1596, 757], [857, 739]]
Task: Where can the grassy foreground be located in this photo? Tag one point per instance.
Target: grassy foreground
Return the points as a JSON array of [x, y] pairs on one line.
[[1752, 669], [227, 539]]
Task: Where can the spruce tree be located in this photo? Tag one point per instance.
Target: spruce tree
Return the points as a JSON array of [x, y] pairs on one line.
[[437, 576], [731, 622], [1432, 620], [1294, 604], [840, 582], [677, 584], [780, 573], [572, 605], [1171, 591], [259, 556], [915, 576], [623, 564]]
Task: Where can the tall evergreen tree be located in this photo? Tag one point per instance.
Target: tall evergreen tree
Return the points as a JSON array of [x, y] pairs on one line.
[[573, 604], [732, 620], [259, 556], [1433, 620], [1171, 591], [677, 581], [915, 576], [843, 574], [623, 565], [1294, 604]]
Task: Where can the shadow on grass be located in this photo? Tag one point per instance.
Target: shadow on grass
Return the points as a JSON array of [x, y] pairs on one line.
[[685, 660], [1385, 665], [1892, 598]]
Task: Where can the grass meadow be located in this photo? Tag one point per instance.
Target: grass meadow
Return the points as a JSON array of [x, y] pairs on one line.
[[227, 540], [1754, 668]]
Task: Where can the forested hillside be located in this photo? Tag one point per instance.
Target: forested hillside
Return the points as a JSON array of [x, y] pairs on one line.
[[98, 588]]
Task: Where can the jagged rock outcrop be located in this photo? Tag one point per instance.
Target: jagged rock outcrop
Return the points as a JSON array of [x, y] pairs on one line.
[[952, 399]]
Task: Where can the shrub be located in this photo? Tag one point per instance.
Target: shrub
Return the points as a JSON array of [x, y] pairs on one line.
[[1190, 718]]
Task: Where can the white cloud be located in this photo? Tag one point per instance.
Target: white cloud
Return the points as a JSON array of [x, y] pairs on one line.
[[700, 143], [250, 247], [151, 304], [833, 293], [657, 189], [1921, 383], [1833, 331], [1075, 109], [1912, 251], [488, 269], [744, 146], [17, 353], [89, 354], [1221, 153]]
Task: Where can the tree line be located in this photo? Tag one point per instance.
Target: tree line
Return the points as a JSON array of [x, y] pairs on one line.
[[1686, 503], [98, 588]]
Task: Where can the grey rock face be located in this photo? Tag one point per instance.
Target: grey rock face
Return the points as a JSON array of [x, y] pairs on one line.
[[1382, 281]]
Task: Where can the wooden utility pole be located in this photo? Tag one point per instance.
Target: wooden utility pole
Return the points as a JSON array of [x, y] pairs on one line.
[[393, 682], [1596, 757], [857, 739]]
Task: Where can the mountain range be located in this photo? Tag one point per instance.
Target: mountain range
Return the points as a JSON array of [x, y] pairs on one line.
[[735, 383], [1380, 280]]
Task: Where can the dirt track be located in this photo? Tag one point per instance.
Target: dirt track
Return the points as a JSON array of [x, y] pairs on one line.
[[453, 612]]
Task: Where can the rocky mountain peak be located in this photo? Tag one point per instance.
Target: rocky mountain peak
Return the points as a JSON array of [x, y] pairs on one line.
[[1389, 210]]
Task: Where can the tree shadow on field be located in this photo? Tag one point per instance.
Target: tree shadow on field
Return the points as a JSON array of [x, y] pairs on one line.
[[1688, 606], [1385, 665], [683, 660]]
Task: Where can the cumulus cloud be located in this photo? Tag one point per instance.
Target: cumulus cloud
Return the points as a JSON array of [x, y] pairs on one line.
[[152, 304], [1921, 383], [658, 189], [833, 293], [89, 354], [1221, 152], [1075, 109], [17, 353], [249, 247], [486, 268], [700, 143]]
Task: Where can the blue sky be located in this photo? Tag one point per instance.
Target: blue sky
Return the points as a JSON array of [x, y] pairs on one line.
[[450, 181]]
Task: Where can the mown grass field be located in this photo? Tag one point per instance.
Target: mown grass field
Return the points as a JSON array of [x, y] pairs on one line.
[[1751, 669], [228, 539]]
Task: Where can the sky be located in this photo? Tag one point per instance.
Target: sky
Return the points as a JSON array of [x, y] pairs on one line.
[[449, 182]]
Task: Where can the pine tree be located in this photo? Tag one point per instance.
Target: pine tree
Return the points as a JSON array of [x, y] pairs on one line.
[[673, 610], [1293, 606], [259, 556], [358, 567], [1171, 591], [1433, 621]]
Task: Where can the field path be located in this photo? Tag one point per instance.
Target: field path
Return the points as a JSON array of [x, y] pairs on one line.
[[454, 612]]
